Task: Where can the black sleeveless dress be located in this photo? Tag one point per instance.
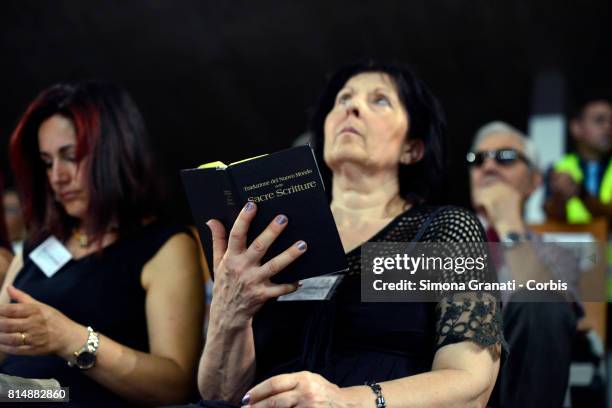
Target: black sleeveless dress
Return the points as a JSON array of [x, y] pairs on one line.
[[101, 290]]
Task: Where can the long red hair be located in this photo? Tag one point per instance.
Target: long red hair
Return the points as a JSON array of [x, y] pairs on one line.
[[110, 130]]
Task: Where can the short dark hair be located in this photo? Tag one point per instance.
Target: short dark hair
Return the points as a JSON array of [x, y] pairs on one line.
[[111, 131], [582, 101], [422, 181]]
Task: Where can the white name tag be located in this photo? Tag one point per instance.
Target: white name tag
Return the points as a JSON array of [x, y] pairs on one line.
[[50, 256], [318, 288]]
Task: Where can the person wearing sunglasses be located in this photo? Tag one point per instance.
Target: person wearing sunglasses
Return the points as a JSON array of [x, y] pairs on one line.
[[503, 165], [580, 187]]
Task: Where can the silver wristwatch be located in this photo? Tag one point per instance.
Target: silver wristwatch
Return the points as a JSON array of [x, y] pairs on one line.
[[85, 357], [512, 239]]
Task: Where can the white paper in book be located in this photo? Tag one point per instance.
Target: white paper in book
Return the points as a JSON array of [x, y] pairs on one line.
[[317, 288]]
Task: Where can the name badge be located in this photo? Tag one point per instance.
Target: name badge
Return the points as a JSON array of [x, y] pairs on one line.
[[317, 288], [50, 256]]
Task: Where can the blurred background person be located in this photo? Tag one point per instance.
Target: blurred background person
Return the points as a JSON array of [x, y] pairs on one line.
[[539, 329], [13, 216], [580, 185], [119, 319], [6, 252]]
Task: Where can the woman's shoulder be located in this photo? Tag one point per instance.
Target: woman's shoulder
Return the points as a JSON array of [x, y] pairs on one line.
[[155, 233], [174, 257]]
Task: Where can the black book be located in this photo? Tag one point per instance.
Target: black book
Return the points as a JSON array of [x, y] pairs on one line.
[[287, 182]]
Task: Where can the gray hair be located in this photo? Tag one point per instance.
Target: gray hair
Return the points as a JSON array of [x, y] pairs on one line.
[[530, 150]]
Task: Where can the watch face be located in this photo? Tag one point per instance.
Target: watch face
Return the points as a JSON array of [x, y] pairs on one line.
[[513, 236], [85, 359]]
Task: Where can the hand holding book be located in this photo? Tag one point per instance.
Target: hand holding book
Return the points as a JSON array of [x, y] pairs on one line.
[[287, 183], [242, 282]]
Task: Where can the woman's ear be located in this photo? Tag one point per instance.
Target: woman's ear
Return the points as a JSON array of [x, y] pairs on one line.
[[412, 152]]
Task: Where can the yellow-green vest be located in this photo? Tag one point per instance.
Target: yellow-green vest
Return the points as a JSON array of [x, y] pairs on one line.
[[576, 211]]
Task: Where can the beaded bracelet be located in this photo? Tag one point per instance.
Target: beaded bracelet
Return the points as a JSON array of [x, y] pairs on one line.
[[380, 400]]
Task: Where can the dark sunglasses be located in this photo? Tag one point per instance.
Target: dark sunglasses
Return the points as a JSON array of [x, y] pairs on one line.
[[503, 157]]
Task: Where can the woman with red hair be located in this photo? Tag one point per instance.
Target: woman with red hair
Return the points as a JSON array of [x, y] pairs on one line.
[[118, 321]]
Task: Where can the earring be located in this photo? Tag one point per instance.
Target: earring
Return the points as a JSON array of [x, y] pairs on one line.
[[406, 158]]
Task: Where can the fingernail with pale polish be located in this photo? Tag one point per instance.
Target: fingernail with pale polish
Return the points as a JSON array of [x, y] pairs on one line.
[[281, 219], [249, 206], [301, 246], [245, 400]]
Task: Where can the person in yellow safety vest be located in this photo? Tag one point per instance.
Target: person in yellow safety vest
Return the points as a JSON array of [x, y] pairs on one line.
[[581, 182]]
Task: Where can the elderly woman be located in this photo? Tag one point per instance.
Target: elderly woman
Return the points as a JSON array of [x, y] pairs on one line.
[[380, 139], [112, 305]]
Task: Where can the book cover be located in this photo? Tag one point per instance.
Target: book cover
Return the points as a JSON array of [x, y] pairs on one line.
[[286, 182]]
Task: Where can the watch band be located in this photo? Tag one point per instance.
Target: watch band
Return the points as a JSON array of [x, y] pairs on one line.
[[89, 350], [380, 399], [511, 239]]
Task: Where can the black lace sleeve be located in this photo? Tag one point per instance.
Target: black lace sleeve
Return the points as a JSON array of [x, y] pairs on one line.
[[470, 316], [466, 315]]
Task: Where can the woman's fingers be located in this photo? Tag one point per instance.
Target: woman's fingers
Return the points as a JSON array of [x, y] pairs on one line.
[[261, 244], [274, 290], [238, 234], [16, 310], [13, 325], [286, 399], [280, 262], [13, 339], [19, 295], [272, 386], [18, 350], [219, 237]]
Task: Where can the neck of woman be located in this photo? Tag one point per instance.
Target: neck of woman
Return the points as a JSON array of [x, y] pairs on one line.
[[360, 197], [85, 240]]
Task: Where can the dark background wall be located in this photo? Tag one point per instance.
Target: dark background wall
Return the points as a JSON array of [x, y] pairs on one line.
[[229, 79]]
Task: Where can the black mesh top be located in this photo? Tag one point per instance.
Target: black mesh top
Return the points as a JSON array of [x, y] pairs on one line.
[[349, 342]]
